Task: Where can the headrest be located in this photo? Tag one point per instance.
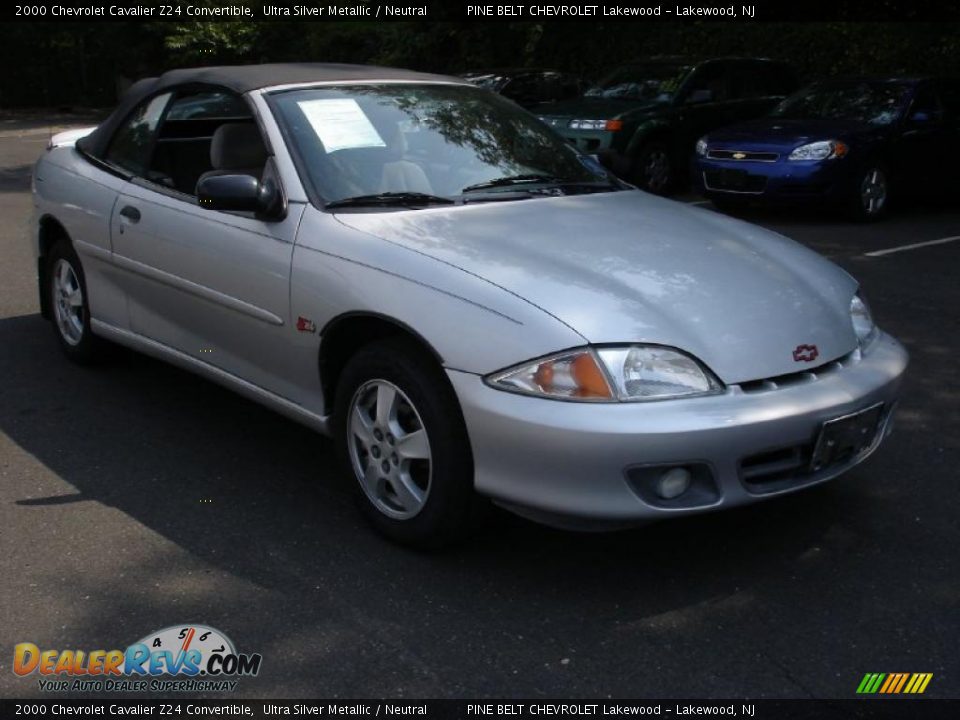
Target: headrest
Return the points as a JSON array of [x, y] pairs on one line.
[[236, 146]]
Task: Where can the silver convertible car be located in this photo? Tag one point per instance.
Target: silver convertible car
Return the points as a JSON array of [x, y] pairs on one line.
[[469, 306]]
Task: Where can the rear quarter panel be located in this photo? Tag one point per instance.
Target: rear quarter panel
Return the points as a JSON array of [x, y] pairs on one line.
[[80, 197]]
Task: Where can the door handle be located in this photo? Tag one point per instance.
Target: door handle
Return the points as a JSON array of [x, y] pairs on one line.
[[130, 213]]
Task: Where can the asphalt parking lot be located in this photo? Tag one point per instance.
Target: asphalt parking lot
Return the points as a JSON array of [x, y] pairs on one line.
[[136, 496]]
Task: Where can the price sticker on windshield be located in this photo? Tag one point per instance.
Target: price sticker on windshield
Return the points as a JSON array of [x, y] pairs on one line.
[[341, 124]]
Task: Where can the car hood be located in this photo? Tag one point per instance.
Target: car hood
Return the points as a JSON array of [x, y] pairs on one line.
[[630, 267], [783, 133], [595, 108]]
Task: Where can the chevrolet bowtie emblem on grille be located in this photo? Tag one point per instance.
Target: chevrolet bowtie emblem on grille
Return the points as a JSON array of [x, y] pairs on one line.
[[739, 156], [805, 353]]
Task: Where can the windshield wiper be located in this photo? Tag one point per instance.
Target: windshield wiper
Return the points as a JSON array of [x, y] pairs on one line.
[[387, 199], [514, 180], [534, 178]]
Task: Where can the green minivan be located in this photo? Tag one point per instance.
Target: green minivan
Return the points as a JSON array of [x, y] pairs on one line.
[[643, 119]]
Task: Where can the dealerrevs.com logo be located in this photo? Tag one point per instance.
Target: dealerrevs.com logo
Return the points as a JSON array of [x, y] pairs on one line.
[[179, 658]]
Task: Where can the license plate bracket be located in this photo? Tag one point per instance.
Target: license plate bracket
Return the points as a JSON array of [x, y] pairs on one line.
[[845, 438], [733, 179]]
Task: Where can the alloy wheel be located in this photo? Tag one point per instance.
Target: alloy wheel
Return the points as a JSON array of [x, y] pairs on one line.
[[873, 192], [67, 297], [656, 170], [389, 449]]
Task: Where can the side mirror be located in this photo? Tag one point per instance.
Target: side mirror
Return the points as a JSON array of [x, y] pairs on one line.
[[700, 96], [240, 193]]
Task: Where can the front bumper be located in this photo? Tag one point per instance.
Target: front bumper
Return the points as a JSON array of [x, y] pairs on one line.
[[779, 182], [583, 464]]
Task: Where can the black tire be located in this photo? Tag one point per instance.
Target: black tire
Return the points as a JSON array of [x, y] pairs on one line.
[[858, 206], [451, 508], [85, 348], [654, 168]]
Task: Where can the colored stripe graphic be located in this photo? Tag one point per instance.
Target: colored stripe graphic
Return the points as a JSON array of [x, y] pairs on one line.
[[894, 683], [903, 679]]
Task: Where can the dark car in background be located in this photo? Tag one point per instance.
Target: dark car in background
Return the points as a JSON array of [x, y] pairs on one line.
[[643, 119], [528, 87], [853, 143]]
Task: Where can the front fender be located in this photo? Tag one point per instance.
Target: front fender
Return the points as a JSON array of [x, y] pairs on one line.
[[471, 323]]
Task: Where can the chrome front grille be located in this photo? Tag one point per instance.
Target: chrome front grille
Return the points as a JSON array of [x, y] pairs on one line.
[[800, 377], [743, 155]]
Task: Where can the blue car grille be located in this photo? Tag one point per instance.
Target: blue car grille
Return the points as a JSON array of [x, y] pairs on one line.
[[743, 155]]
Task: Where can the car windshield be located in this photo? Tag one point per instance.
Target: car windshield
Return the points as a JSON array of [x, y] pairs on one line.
[[428, 141], [870, 103], [657, 82], [488, 81]]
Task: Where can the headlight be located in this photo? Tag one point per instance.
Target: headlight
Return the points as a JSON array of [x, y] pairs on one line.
[[701, 147], [862, 320], [581, 124], [822, 150], [609, 374]]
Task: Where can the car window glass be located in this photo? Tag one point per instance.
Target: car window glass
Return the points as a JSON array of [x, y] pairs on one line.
[[925, 104], [708, 84], [434, 139], [183, 148], [205, 105], [523, 89], [874, 103], [655, 82], [132, 144]]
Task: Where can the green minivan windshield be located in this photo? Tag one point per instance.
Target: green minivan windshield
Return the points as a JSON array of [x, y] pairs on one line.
[[438, 142], [656, 82]]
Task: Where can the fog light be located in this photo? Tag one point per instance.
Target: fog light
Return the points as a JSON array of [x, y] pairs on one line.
[[673, 483]]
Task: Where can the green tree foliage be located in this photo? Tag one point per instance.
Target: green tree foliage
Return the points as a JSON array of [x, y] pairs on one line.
[[84, 64]]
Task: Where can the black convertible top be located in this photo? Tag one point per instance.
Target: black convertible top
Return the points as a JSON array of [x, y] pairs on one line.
[[241, 79]]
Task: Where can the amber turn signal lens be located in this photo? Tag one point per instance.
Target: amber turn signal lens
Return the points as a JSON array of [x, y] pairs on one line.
[[840, 149], [589, 378], [614, 125]]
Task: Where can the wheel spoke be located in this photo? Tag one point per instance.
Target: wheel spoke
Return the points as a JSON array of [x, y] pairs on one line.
[[414, 446], [361, 426], [371, 478], [74, 298], [64, 277], [386, 405], [409, 496]]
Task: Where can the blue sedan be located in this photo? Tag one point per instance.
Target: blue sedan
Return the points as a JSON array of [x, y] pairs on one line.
[[850, 143]]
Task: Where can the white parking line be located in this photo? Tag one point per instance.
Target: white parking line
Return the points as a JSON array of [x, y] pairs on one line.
[[912, 246]]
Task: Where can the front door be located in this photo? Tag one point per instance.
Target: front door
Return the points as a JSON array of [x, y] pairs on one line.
[[212, 285]]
